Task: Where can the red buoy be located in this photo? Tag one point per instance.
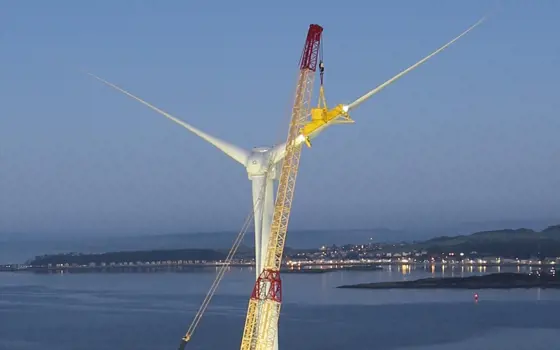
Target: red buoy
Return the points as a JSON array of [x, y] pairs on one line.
[[476, 297]]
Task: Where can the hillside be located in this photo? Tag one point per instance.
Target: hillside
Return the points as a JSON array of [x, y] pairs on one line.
[[521, 243], [129, 256]]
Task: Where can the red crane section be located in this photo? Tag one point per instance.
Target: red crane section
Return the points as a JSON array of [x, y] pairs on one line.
[[310, 52]]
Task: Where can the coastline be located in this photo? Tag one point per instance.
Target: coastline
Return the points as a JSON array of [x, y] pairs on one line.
[[504, 280], [185, 267], [306, 267]]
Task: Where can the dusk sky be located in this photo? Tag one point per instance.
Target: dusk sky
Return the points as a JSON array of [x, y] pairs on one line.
[[472, 135]]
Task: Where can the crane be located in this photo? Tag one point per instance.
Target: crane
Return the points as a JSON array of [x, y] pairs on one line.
[[266, 299], [263, 312]]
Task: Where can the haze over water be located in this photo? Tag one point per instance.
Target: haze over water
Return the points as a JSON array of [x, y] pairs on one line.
[[152, 310]]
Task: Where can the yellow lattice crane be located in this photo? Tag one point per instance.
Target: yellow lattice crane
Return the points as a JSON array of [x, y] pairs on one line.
[[264, 306]]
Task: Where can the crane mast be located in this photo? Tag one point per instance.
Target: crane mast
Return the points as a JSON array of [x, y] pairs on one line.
[[264, 305]]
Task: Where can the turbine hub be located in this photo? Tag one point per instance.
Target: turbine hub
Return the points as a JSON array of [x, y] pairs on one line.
[[261, 149], [257, 164]]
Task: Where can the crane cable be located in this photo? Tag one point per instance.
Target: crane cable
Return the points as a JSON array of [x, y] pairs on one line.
[[226, 263]]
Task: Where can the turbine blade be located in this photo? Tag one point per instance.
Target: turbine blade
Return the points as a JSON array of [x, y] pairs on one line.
[[278, 152], [393, 79], [237, 153]]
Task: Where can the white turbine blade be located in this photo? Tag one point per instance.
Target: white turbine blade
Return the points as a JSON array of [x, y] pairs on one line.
[[233, 151], [392, 80], [278, 152]]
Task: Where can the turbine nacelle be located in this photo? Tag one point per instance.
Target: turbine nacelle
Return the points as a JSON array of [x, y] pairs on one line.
[[258, 163]]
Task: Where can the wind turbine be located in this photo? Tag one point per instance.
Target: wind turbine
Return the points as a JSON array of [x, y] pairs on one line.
[[257, 164], [262, 163]]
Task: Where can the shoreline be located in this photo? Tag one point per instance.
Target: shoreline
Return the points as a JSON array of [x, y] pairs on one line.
[[504, 280], [307, 267], [149, 268]]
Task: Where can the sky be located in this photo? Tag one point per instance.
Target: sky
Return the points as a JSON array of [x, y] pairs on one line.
[[471, 136]]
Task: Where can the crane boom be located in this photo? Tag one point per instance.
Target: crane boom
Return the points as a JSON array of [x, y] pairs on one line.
[[264, 305]]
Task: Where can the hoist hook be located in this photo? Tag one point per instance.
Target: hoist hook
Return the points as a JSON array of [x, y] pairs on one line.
[[321, 70]]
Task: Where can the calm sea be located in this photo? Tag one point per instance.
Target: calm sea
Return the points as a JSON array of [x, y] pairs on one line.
[[151, 311]]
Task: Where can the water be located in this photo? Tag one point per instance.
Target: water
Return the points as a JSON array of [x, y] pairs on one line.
[[149, 311]]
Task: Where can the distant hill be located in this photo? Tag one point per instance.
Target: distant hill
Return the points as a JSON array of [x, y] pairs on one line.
[[18, 248], [129, 256], [301, 239], [521, 243]]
